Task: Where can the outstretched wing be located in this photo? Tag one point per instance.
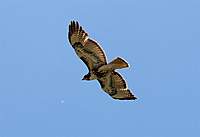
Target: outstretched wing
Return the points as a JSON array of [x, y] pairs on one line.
[[87, 49], [116, 87]]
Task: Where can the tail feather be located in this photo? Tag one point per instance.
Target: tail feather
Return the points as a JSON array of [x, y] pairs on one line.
[[117, 63]]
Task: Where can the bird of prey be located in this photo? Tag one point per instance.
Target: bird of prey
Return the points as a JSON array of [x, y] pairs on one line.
[[90, 52]]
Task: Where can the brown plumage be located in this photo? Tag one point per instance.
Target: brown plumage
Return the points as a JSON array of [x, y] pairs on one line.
[[93, 56]]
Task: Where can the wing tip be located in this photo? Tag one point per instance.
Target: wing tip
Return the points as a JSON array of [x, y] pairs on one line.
[[75, 28], [126, 98]]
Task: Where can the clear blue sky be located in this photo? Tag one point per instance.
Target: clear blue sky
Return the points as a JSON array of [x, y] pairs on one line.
[[41, 92]]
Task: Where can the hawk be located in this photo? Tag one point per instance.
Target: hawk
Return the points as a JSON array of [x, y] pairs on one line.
[[90, 52]]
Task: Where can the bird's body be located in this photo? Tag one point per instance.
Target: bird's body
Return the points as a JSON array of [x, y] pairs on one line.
[[93, 56]]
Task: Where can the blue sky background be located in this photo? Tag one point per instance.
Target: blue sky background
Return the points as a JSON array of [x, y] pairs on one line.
[[41, 92]]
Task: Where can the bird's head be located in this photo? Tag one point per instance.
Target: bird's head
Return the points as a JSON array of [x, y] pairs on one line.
[[87, 77]]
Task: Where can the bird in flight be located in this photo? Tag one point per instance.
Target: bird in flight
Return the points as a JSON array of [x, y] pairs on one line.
[[90, 52]]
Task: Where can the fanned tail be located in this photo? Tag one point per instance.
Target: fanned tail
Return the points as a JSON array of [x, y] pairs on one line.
[[117, 63]]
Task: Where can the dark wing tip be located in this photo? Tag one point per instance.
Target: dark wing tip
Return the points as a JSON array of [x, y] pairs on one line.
[[132, 97], [127, 98], [70, 32], [74, 27]]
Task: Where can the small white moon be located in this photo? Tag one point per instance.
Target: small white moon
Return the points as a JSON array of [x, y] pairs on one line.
[[62, 101]]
